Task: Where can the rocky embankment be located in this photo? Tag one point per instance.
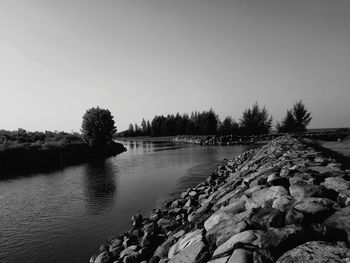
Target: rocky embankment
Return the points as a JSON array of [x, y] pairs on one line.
[[284, 202], [253, 139]]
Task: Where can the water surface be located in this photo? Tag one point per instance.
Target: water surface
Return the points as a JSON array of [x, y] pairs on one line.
[[64, 216]]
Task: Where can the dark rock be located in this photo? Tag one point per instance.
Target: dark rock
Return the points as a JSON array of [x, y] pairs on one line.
[[263, 256], [294, 217], [279, 240], [316, 252], [340, 220], [267, 217]]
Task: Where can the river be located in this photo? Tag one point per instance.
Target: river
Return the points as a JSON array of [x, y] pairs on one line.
[[65, 215]]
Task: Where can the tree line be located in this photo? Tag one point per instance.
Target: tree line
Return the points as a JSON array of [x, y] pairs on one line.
[[255, 120]]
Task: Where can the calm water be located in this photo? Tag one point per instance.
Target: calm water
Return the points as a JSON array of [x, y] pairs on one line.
[[64, 216]]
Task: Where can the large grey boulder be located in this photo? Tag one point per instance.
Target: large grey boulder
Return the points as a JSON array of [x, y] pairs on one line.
[[300, 191], [246, 237], [265, 196], [340, 220], [241, 255], [316, 209], [190, 254], [185, 241], [316, 252]]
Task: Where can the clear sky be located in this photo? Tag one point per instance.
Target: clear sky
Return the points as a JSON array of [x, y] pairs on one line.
[[148, 57]]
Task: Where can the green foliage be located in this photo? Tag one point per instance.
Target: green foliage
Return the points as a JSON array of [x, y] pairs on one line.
[[296, 120], [98, 126], [256, 121]]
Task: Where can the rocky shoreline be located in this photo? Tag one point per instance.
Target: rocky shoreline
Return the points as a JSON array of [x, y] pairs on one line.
[[224, 140], [283, 202]]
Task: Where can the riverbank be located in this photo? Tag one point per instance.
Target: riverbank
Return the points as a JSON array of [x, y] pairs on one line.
[[256, 139], [30, 158], [283, 202]]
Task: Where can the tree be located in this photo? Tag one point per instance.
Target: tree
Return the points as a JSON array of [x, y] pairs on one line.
[[256, 120], [288, 123], [228, 126], [296, 119], [98, 126], [301, 115]]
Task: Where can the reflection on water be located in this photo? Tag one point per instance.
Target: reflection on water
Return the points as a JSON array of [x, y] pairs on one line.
[[64, 216], [100, 185]]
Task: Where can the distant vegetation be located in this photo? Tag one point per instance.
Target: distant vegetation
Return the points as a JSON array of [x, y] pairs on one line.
[[39, 140], [255, 120], [22, 149]]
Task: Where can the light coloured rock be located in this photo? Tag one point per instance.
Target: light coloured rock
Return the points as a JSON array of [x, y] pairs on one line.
[[262, 197], [219, 260], [215, 219], [185, 241], [282, 203], [318, 208], [234, 208], [128, 251], [338, 184], [316, 252], [224, 231], [241, 255], [103, 258], [189, 254], [300, 191], [246, 237]]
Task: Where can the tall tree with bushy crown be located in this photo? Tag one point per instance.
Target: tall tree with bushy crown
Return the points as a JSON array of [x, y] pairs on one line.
[[296, 120], [256, 121], [98, 126]]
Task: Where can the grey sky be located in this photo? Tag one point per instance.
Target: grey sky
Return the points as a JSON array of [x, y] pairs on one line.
[[147, 57]]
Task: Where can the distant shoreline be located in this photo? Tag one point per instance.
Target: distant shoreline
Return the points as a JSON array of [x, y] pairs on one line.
[[31, 159]]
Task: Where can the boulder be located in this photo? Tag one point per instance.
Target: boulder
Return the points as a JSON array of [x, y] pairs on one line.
[[219, 260], [189, 254], [337, 184], [226, 229], [127, 251], [279, 240], [185, 241], [246, 237], [316, 209], [294, 217], [241, 255], [234, 208], [263, 256], [300, 191], [267, 217], [104, 257], [316, 252], [340, 220], [215, 219], [283, 203], [265, 196]]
